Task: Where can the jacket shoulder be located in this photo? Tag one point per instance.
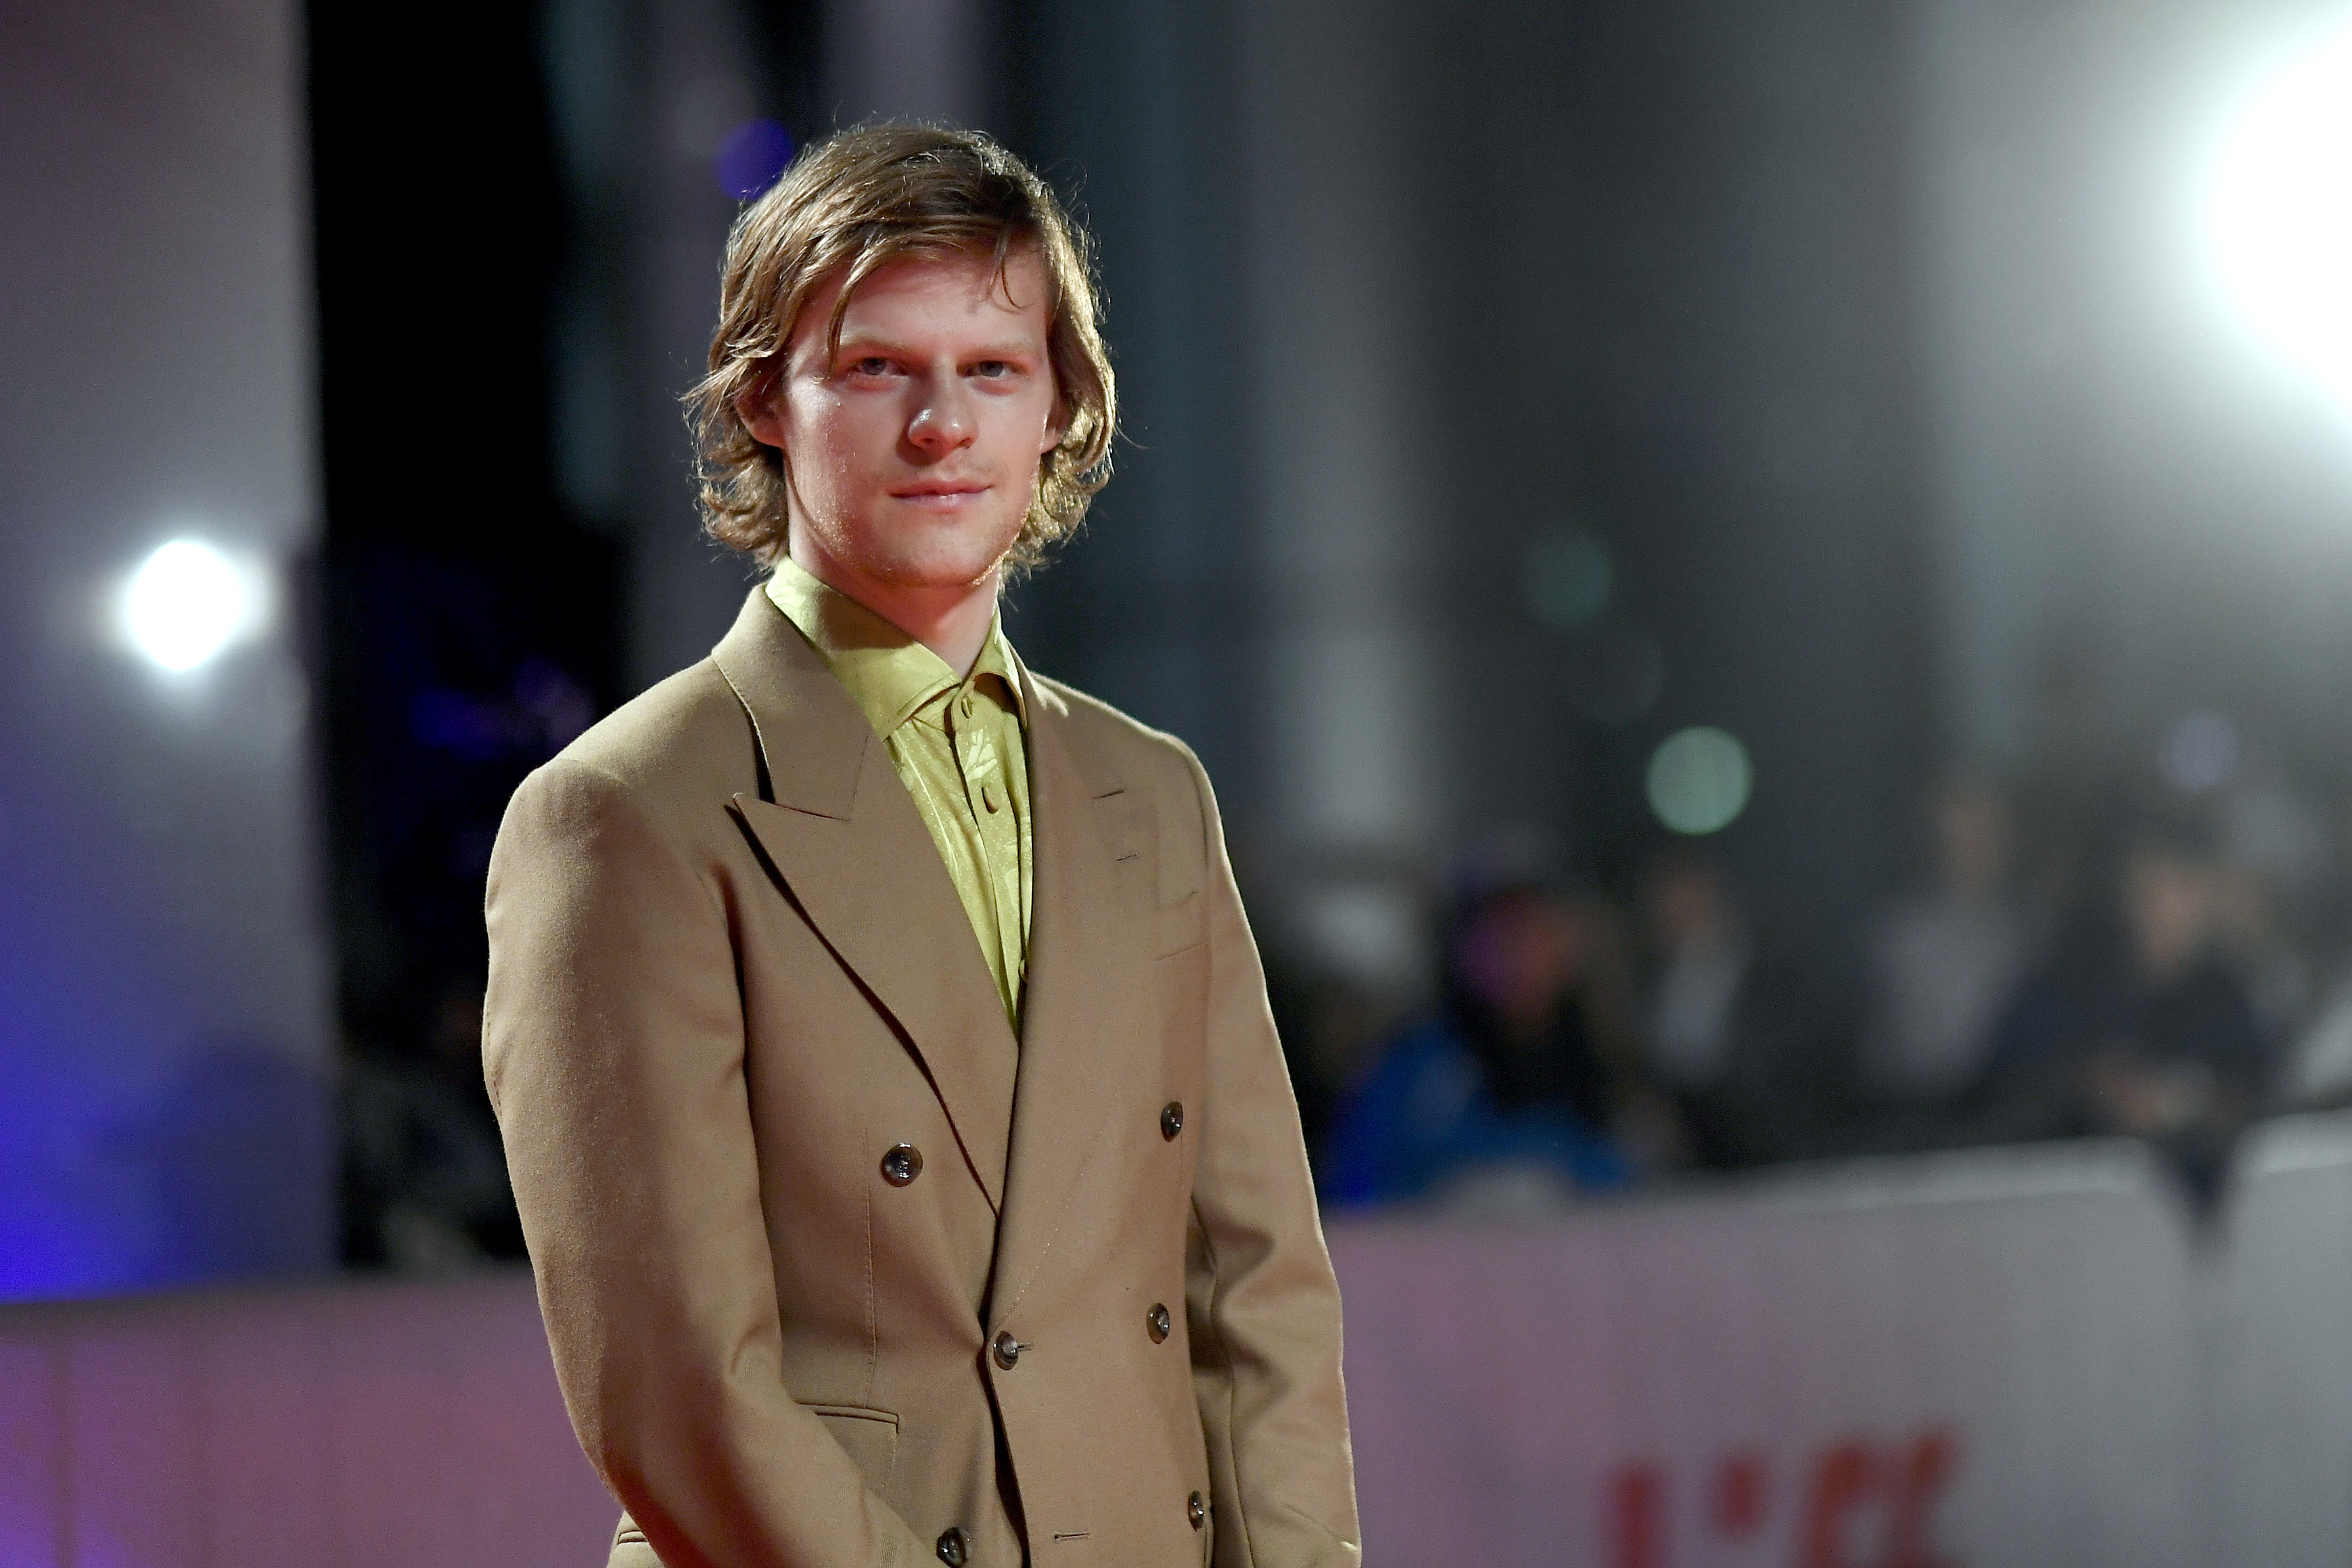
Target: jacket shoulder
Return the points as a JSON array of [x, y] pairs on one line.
[[1132, 747], [682, 747], [1155, 764]]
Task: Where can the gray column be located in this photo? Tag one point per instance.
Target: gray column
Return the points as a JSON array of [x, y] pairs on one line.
[[923, 59], [1344, 418], [2000, 88], [643, 94], [163, 970]]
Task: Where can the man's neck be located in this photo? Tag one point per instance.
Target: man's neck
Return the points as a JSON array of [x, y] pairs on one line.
[[952, 622]]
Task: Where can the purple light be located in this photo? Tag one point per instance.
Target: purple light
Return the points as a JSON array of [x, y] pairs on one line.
[[751, 156]]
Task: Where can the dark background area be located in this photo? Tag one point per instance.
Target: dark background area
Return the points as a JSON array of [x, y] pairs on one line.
[[1508, 390], [1634, 276]]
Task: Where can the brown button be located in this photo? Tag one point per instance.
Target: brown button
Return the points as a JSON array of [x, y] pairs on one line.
[[1196, 1511], [953, 1550], [1156, 1322], [902, 1164], [1007, 1350], [1171, 1120]]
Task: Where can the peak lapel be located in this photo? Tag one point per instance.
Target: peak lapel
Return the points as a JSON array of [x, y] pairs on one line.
[[846, 845], [1089, 969]]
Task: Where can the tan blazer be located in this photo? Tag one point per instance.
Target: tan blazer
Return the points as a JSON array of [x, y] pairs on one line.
[[729, 976]]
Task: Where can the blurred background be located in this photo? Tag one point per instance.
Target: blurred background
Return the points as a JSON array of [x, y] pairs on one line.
[[1763, 583]]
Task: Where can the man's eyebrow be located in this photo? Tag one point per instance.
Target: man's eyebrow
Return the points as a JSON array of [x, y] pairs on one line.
[[870, 342]]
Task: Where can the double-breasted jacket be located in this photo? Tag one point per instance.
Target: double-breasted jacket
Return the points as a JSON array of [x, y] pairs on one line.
[[836, 1271]]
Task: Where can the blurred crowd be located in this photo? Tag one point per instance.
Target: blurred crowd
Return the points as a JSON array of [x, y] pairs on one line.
[[2169, 965], [2166, 966]]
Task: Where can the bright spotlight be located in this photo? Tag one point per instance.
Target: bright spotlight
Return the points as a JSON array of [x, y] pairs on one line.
[[2280, 213], [1699, 781], [186, 602]]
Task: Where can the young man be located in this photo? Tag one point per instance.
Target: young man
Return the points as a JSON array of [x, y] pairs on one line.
[[899, 1129]]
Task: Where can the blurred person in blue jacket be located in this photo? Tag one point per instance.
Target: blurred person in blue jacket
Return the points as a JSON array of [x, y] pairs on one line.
[[1502, 1100]]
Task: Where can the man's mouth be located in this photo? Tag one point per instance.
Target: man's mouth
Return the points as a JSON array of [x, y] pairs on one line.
[[941, 496]]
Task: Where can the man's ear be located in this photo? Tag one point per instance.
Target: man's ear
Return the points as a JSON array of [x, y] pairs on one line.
[[1057, 425], [761, 409]]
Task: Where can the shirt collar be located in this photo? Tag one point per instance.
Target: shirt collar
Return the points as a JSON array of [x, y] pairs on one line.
[[890, 675]]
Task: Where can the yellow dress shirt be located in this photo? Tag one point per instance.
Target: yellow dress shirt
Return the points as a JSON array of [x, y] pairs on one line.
[[958, 746]]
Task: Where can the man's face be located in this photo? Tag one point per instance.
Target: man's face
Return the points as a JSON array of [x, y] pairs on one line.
[[913, 448]]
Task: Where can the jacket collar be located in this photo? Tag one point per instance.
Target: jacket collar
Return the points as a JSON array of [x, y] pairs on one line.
[[890, 675], [845, 844], [843, 841]]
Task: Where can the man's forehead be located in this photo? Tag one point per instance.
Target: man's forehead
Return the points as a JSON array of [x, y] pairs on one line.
[[956, 285]]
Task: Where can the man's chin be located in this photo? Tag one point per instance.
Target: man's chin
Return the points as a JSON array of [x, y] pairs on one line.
[[947, 557], [944, 565], [934, 576]]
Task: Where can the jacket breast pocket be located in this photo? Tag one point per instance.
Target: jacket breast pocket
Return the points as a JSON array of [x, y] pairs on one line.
[[1182, 924], [870, 1437]]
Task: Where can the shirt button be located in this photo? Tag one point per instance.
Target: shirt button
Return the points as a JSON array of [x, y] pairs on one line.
[[1007, 1350], [902, 1164], [987, 797], [1196, 1511], [1157, 1323], [952, 1548], [1171, 1120], [963, 705]]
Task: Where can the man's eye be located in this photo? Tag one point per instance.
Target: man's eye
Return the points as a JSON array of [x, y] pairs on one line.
[[994, 369], [873, 364]]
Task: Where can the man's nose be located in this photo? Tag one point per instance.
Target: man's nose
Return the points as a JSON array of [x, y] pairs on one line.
[[943, 419]]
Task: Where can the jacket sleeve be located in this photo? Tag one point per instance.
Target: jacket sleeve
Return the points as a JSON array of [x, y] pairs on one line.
[[613, 1045], [1262, 1304]]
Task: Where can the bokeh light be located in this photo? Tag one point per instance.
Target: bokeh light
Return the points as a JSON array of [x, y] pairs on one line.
[[188, 603], [1699, 781], [750, 157], [2279, 211]]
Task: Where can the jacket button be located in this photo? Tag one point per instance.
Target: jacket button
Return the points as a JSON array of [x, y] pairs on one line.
[[1171, 1120], [952, 1549], [1196, 1511], [1156, 1321], [1007, 1350], [902, 1164]]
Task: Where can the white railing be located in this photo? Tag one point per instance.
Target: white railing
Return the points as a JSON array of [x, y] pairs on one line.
[[2006, 1359], [329, 1426], [1988, 1360]]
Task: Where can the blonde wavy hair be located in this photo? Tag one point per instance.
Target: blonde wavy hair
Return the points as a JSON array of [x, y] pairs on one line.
[[849, 206]]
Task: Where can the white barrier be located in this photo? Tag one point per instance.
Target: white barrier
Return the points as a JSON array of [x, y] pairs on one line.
[[360, 1426], [2281, 1338], [2010, 1359], [1988, 1360]]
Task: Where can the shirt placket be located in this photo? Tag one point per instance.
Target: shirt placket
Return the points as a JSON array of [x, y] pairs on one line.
[[988, 798]]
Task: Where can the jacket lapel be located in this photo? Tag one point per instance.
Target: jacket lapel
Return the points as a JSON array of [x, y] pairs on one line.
[[844, 841], [1095, 848]]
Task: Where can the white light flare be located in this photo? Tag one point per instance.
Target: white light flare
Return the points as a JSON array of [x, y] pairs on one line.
[[2279, 213], [188, 602]]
